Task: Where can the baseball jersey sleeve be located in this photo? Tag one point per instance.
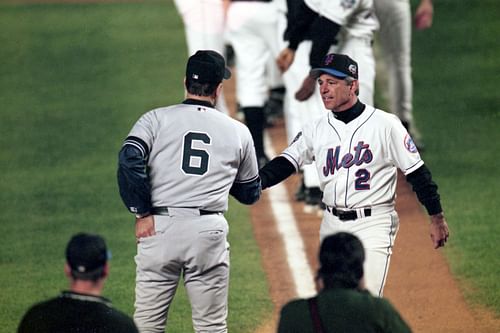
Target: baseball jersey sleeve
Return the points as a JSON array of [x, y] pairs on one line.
[[301, 150], [133, 181], [402, 150], [337, 11], [246, 187]]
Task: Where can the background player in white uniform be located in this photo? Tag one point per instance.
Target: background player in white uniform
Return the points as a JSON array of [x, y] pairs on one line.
[[176, 169], [251, 30], [204, 26], [395, 40], [357, 150], [314, 27]]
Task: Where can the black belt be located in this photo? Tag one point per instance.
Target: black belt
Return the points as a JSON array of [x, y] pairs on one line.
[[164, 211], [347, 215]]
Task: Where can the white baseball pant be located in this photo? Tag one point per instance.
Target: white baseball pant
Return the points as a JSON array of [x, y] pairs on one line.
[[377, 233], [395, 41]]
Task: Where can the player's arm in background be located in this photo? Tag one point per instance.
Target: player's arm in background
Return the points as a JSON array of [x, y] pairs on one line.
[[299, 20], [424, 15]]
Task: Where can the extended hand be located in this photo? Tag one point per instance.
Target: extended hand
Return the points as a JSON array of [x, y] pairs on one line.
[[285, 59], [144, 227], [306, 90], [424, 15], [439, 230]]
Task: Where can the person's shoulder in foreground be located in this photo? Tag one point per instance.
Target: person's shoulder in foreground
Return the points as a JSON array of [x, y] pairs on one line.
[[343, 304], [81, 309], [343, 310], [73, 312]]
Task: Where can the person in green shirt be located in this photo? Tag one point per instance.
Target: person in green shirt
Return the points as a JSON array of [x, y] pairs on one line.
[[342, 304]]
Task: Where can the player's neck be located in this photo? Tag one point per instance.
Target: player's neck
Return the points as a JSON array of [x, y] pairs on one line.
[[350, 113], [87, 287], [210, 99]]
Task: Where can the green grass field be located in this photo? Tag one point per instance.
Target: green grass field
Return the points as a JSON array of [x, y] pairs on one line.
[[457, 105], [73, 80]]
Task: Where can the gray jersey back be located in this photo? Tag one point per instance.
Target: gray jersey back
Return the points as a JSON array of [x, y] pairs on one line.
[[196, 153]]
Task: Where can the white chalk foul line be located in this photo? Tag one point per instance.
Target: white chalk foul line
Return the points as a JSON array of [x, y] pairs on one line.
[[287, 227]]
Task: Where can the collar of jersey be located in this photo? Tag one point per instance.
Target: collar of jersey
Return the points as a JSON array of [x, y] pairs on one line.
[[192, 101], [351, 113], [85, 297]]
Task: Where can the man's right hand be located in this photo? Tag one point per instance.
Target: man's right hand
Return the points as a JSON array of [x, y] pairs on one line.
[[285, 59], [144, 227]]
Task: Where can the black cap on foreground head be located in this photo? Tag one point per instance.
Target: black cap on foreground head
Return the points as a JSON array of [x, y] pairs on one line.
[[206, 66], [342, 254], [86, 253], [338, 65]]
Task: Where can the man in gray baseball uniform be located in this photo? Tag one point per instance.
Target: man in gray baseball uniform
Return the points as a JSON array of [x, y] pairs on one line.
[[357, 150], [177, 167]]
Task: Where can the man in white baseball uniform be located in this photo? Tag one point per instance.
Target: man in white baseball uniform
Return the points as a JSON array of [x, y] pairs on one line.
[[315, 28], [176, 169], [395, 41], [251, 30], [357, 150]]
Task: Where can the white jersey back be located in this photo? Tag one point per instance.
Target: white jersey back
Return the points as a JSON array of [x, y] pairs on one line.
[[196, 153], [357, 17], [356, 162]]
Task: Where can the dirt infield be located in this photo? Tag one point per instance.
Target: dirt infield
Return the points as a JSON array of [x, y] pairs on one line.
[[419, 284]]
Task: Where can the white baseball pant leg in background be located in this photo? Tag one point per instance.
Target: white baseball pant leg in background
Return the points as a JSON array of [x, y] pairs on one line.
[[360, 49], [204, 26], [251, 30], [197, 248], [395, 39], [377, 233]]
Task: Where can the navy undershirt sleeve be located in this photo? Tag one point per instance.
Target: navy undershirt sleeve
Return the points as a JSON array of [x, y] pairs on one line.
[[299, 25], [274, 172], [426, 189], [133, 181], [246, 193], [323, 35]]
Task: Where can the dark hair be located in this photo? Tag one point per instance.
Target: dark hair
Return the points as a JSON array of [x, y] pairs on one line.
[[201, 89], [341, 260]]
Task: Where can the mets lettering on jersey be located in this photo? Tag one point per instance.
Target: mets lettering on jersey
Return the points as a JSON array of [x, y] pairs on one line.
[[356, 162], [348, 160]]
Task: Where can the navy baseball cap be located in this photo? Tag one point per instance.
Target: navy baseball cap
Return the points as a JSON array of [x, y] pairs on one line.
[[207, 66], [338, 65], [86, 253]]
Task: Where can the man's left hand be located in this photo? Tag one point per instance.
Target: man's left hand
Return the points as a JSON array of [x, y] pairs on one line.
[[439, 230]]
